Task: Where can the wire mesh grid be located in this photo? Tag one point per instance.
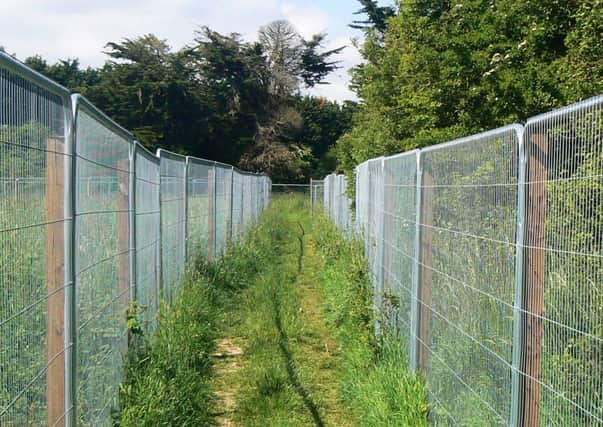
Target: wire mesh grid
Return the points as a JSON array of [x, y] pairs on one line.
[[197, 209], [399, 237], [467, 266], [89, 220], [317, 188], [148, 233], [102, 260], [237, 205], [35, 157], [173, 222], [562, 363], [222, 207], [504, 275]]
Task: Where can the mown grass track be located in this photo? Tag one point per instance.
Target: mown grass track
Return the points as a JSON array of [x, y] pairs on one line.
[[282, 337]]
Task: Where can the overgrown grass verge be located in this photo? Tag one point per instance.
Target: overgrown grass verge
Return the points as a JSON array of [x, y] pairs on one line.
[[295, 296], [374, 377], [167, 377]]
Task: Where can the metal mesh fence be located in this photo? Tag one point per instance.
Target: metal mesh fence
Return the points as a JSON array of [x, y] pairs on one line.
[[89, 221], [487, 260], [35, 156], [173, 222], [148, 232], [467, 289], [198, 206], [222, 206], [399, 241], [317, 188], [562, 363], [102, 260]]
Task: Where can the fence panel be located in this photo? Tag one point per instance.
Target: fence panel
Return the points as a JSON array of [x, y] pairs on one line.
[[563, 341], [399, 241], [35, 272], [317, 193], [222, 207], [362, 202], [197, 209], [467, 287], [148, 236], [173, 221], [237, 204], [102, 259]]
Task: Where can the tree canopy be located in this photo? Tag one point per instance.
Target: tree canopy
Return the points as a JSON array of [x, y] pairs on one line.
[[435, 70], [220, 97]]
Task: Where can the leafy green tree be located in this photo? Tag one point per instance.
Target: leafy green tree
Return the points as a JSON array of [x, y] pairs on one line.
[[447, 69]]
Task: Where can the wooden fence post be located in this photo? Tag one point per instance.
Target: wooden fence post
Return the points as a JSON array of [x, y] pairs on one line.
[[535, 269], [55, 282], [211, 214], [425, 277]]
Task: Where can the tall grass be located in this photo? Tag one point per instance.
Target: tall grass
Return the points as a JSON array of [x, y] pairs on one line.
[[375, 380], [167, 377]]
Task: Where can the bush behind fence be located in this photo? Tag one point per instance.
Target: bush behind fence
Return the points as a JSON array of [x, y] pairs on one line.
[[485, 255], [89, 222]]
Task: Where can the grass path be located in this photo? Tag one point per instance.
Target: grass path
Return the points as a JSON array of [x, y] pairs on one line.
[[286, 373], [278, 332]]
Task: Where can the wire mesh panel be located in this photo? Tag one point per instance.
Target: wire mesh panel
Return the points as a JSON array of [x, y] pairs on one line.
[[563, 360], [197, 212], [399, 240], [102, 261], [148, 223], [222, 207], [375, 232], [35, 155], [362, 201], [237, 205], [246, 201], [317, 194], [173, 222], [467, 287]]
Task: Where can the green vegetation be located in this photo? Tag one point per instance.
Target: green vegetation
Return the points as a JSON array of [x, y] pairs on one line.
[[220, 97], [374, 377], [294, 298], [437, 70]]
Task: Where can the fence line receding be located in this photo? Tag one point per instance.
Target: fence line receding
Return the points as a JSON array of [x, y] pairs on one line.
[[89, 222], [485, 256]]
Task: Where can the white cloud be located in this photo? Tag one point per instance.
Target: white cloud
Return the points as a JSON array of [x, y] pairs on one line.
[[62, 29], [307, 20]]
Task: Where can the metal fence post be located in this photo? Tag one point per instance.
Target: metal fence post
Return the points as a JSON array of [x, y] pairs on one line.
[[70, 302], [211, 214], [185, 202], [311, 197], [414, 307], [231, 206], [132, 221], [518, 315]]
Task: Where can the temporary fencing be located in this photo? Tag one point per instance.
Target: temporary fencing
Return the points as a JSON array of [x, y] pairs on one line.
[[91, 221], [485, 256]]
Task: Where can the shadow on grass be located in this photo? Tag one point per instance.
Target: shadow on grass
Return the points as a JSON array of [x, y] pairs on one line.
[[290, 363]]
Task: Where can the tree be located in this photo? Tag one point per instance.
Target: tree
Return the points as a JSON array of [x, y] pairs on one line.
[[293, 60], [316, 66], [283, 48], [376, 16], [447, 69]]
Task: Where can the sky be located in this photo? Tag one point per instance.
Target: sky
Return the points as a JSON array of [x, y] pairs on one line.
[[60, 29]]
